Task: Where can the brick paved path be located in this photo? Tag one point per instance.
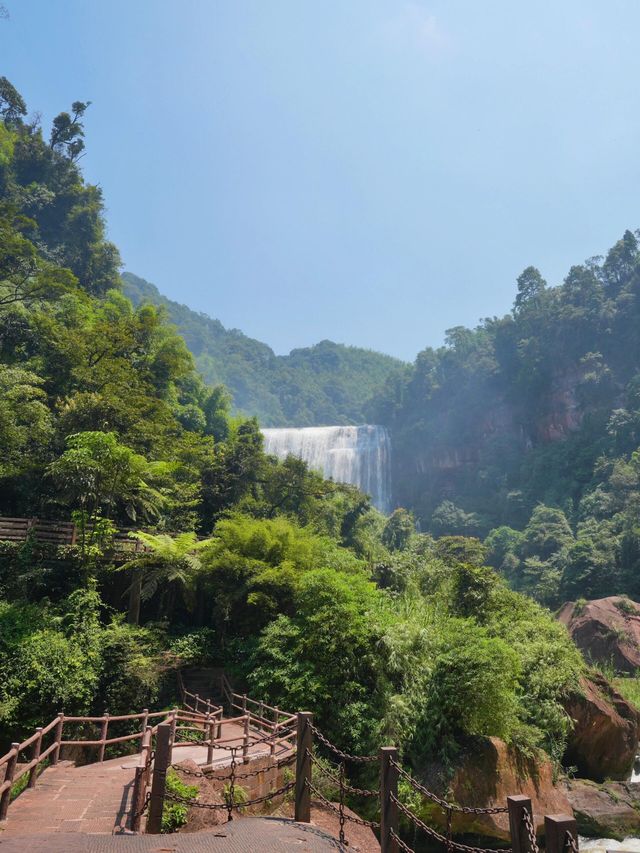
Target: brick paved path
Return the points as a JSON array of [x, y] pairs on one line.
[[95, 798], [87, 810], [249, 835]]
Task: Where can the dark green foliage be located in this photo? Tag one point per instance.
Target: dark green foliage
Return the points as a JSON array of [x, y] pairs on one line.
[[174, 814], [398, 530]]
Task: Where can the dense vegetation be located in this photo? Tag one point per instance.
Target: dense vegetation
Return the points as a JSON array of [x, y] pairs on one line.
[[527, 429], [324, 385], [296, 585]]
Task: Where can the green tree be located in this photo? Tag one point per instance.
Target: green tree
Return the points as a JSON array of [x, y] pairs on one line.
[[398, 530], [530, 286], [97, 474], [169, 566], [67, 133], [323, 657], [12, 105], [547, 532]]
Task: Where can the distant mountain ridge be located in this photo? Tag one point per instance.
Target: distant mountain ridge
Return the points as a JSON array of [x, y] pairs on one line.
[[326, 384]]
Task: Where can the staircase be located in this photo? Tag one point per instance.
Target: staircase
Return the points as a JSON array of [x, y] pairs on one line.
[[204, 681]]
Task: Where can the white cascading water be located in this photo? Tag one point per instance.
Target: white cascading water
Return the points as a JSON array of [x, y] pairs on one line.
[[360, 455]]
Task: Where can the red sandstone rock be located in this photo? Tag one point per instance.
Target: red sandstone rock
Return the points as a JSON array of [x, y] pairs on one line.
[[606, 630], [604, 740], [486, 776], [605, 811]]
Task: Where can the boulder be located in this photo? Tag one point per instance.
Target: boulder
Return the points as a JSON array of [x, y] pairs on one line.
[[604, 740], [611, 810], [486, 775], [606, 630]]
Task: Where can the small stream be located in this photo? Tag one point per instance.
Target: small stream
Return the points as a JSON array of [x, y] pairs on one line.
[[600, 845]]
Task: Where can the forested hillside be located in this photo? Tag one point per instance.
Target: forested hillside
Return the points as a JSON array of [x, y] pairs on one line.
[[324, 385], [530, 423], [295, 585]]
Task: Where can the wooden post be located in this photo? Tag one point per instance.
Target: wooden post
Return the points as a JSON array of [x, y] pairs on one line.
[[220, 713], [276, 729], [244, 703], [55, 755], [35, 754], [303, 767], [196, 703], [103, 735], [158, 786], [145, 720], [5, 799], [245, 739], [139, 793], [174, 724], [210, 735], [556, 827], [517, 805], [388, 809]]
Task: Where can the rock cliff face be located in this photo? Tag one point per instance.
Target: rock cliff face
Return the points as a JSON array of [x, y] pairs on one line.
[[606, 630], [606, 811], [604, 740], [466, 446], [486, 776]]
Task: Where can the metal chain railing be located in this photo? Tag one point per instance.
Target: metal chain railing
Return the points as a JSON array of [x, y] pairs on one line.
[[570, 843], [372, 824], [211, 774], [345, 756], [213, 806], [531, 831], [432, 833], [444, 804], [145, 806], [350, 789], [401, 844]]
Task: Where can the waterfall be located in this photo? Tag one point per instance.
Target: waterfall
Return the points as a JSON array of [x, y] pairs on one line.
[[360, 455]]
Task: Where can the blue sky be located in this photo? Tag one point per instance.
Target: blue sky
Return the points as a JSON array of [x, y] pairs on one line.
[[368, 171]]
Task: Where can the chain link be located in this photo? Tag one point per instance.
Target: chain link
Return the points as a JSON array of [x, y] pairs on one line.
[[358, 759], [232, 786], [210, 774], [400, 842], [439, 801], [341, 810], [570, 843], [359, 792], [372, 824], [145, 806], [432, 833], [213, 806], [531, 832]]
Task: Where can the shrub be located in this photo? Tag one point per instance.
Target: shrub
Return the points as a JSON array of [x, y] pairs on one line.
[[174, 815]]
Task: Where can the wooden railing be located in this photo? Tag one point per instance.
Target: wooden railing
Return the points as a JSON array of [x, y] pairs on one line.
[[14, 772], [199, 722], [59, 533]]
